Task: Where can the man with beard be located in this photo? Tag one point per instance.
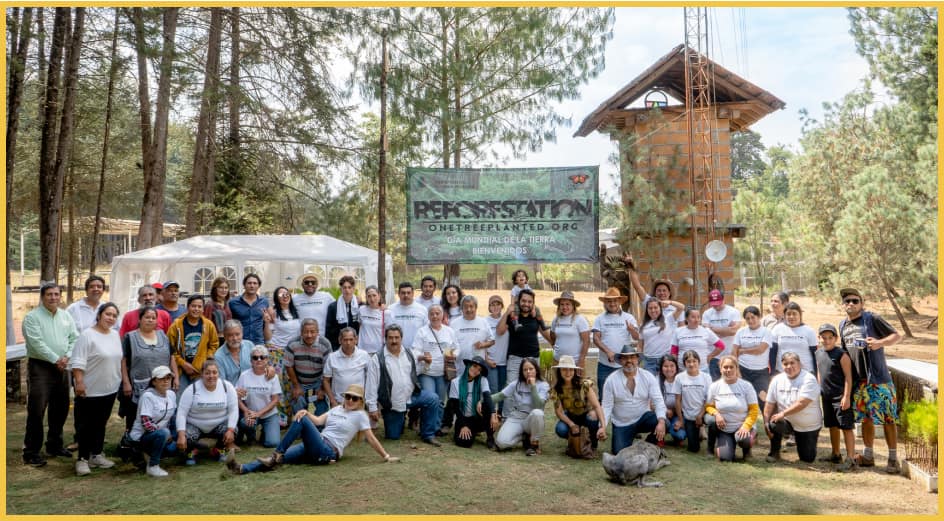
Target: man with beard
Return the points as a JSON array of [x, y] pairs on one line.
[[632, 402]]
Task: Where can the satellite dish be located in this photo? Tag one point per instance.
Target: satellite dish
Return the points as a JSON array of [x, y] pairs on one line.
[[716, 251]]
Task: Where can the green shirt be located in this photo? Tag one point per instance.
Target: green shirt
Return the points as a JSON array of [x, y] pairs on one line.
[[49, 337]]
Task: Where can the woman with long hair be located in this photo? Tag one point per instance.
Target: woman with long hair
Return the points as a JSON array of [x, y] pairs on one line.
[[284, 327], [216, 307], [374, 317], [657, 332], [575, 403], [570, 331], [524, 411], [750, 347], [450, 301], [470, 399]]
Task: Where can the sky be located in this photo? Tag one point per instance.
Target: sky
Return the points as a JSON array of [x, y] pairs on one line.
[[804, 56]]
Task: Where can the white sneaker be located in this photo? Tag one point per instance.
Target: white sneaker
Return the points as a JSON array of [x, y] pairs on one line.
[[82, 468], [156, 472], [99, 460]]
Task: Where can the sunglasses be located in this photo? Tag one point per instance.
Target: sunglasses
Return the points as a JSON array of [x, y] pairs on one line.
[[260, 358], [851, 301], [352, 397], [308, 283]]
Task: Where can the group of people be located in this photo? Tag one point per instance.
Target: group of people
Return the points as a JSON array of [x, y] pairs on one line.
[[238, 369]]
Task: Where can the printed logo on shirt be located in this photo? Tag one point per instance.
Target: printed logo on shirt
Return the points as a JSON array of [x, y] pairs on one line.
[[208, 405]]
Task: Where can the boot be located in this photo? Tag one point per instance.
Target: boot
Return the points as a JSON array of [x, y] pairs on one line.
[[271, 461], [526, 441]]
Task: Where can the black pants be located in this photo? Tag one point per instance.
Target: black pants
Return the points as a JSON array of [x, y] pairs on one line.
[[806, 441], [692, 435], [476, 424], [48, 392], [91, 418]]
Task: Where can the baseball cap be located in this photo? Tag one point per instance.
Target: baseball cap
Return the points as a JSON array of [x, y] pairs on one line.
[[160, 371], [715, 297], [157, 285], [170, 283], [845, 292], [828, 327]]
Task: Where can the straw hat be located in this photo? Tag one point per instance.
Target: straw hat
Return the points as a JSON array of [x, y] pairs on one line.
[[355, 390], [613, 293], [303, 278], [567, 362], [567, 295]]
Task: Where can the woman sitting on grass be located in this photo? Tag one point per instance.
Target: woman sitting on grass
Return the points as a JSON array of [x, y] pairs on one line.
[[208, 407], [524, 410], [156, 408], [470, 399], [341, 424], [576, 403], [732, 405]]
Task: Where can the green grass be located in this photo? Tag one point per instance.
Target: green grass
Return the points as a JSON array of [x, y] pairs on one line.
[[450, 480]]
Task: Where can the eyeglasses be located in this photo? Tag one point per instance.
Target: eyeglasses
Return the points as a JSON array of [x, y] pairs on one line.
[[308, 283], [260, 357], [851, 301], [352, 397]]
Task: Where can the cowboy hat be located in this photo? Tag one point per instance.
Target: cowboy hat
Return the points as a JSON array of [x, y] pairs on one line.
[[479, 361], [628, 350], [567, 362], [613, 293], [567, 295]]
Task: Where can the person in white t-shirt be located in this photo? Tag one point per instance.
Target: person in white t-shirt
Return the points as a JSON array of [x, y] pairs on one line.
[[690, 406], [428, 295], [208, 408], [473, 333], [722, 320], [374, 317], [657, 332], [344, 367], [794, 336], [751, 347], [612, 329], [793, 408], [497, 355], [341, 424], [312, 303], [157, 406], [732, 407], [570, 331], [407, 314], [85, 310], [695, 337], [257, 404]]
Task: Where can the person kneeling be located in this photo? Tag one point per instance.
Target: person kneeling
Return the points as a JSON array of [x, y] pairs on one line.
[[525, 409], [471, 402], [341, 425]]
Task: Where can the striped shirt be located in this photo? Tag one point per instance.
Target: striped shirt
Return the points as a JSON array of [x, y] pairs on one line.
[[308, 361]]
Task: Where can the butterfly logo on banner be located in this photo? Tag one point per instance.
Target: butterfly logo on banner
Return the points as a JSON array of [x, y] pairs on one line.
[[579, 179]]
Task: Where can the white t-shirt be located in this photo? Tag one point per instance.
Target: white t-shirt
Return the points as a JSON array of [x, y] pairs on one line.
[[671, 390], [370, 337], [700, 340], [498, 353], [468, 332], [313, 306], [568, 330], [614, 334], [346, 370], [657, 343], [732, 401], [342, 425], [668, 311], [436, 343], [784, 392], [469, 407], [748, 338], [797, 340], [694, 391], [259, 389], [160, 409], [722, 318], [99, 355], [284, 332], [410, 318], [454, 313], [206, 409], [427, 303]]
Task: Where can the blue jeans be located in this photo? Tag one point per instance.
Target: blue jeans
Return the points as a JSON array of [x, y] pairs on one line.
[[270, 429], [312, 449], [430, 413], [435, 385], [156, 443], [623, 436], [677, 434], [562, 430], [602, 372], [308, 396], [651, 364], [497, 380], [714, 368]]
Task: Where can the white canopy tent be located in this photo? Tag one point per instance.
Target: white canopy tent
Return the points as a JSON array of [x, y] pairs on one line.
[[278, 260]]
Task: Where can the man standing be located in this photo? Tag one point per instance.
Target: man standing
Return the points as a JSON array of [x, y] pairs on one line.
[[724, 321], [407, 314], [612, 329], [865, 336], [523, 338], [343, 313], [312, 303], [83, 311], [632, 402], [50, 336], [428, 296], [170, 296], [304, 362], [147, 296], [393, 388], [344, 367]]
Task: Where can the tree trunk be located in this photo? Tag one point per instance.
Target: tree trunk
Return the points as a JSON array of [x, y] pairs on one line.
[[144, 109], [151, 228], [890, 292], [109, 99], [201, 185], [50, 187], [70, 262], [20, 40], [382, 179], [41, 62]]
